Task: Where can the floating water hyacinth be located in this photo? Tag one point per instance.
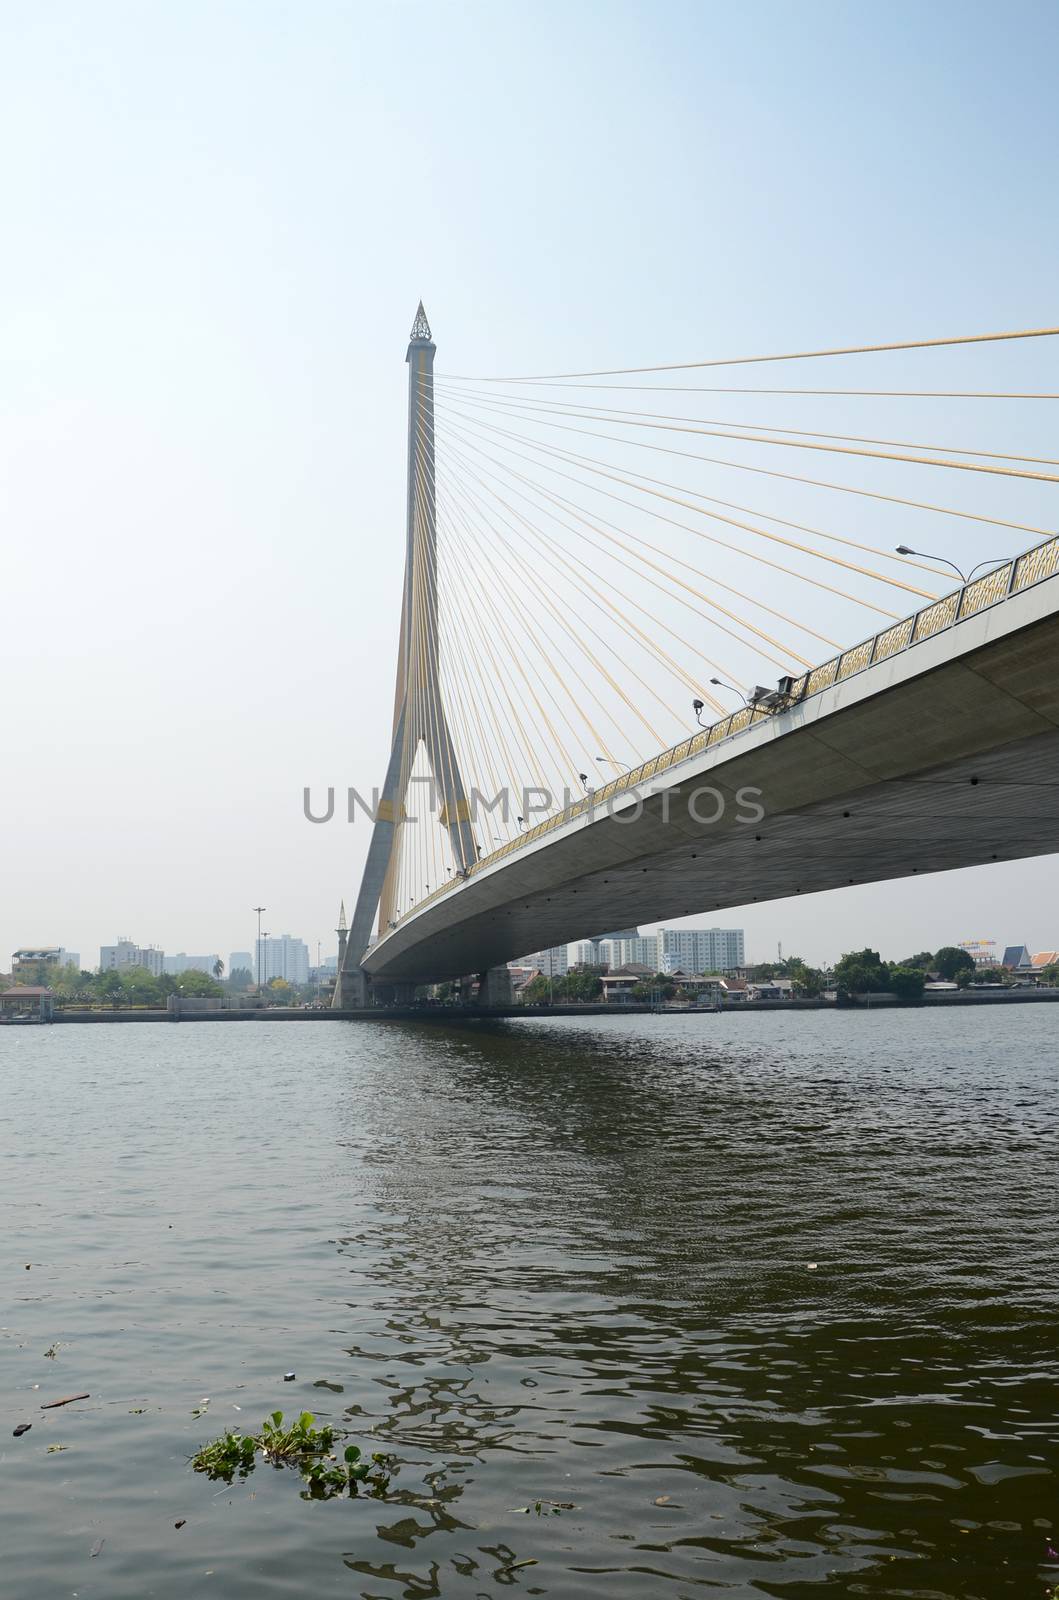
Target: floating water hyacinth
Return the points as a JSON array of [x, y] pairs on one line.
[[300, 1445]]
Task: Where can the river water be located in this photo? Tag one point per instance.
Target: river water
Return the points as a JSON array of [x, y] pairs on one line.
[[542, 1261]]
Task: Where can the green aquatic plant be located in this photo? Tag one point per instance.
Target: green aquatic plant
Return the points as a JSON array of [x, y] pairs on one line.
[[231, 1453], [282, 1445], [326, 1478], [300, 1444]]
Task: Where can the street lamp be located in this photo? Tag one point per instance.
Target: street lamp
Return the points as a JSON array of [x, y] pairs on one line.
[[584, 781], [608, 761], [719, 683], [259, 910], [965, 578]]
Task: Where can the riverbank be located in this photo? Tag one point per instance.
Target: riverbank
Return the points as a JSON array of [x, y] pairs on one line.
[[425, 1013]]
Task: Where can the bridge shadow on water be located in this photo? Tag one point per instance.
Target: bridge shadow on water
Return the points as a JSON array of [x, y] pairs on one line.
[[658, 1305]]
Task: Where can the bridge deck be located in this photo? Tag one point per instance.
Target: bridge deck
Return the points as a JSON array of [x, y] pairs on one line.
[[942, 754]]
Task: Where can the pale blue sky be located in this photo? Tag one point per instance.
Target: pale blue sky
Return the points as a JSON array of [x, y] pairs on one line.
[[218, 219]]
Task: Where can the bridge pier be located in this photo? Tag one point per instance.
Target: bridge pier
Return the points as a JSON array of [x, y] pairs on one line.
[[352, 989], [494, 987]]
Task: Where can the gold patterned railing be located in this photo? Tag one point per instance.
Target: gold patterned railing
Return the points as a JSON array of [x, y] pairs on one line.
[[1012, 577]]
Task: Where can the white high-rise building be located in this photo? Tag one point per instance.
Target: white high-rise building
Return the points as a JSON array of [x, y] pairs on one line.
[[177, 964], [552, 963], [283, 957], [644, 950], [126, 953], [700, 949], [601, 950]]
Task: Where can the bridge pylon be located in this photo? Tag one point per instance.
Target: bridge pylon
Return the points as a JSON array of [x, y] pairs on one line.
[[419, 717]]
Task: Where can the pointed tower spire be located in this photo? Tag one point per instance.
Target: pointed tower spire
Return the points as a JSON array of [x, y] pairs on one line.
[[343, 935], [420, 327], [420, 715]]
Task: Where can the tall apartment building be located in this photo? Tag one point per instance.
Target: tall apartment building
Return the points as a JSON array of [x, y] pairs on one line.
[[552, 963], [240, 960], [283, 957], [642, 950], [667, 950], [126, 953], [700, 949], [599, 951]]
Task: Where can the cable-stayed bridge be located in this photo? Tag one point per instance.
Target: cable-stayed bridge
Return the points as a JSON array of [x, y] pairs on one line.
[[569, 752]]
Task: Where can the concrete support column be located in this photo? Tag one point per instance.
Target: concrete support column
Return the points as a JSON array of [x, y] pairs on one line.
[[353, 989], [494, 987]]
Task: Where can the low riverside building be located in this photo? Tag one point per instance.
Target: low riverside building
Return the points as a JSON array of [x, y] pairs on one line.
[[521, 973], [772, 989], [33, 961], [26, 1003], [714, 989], [618, 986]]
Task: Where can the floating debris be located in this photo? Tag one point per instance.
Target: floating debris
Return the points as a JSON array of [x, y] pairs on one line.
[[97, 1547], [288, 1377], [554, 1508], [181, 1523], [300, 1445], [22, 1428], [68, 1400]]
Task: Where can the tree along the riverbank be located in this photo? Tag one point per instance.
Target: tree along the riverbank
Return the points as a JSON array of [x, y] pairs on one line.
[[136, 986], [580, 987], [865, 972], [806, 982]]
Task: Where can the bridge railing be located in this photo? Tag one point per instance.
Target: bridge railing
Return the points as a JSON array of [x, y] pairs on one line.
[[993, 588]]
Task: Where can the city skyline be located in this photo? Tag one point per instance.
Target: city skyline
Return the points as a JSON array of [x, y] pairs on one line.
[[761, 944], [209, 347]]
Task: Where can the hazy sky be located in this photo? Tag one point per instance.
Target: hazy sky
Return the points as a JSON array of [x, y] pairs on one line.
[[218, 219]]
